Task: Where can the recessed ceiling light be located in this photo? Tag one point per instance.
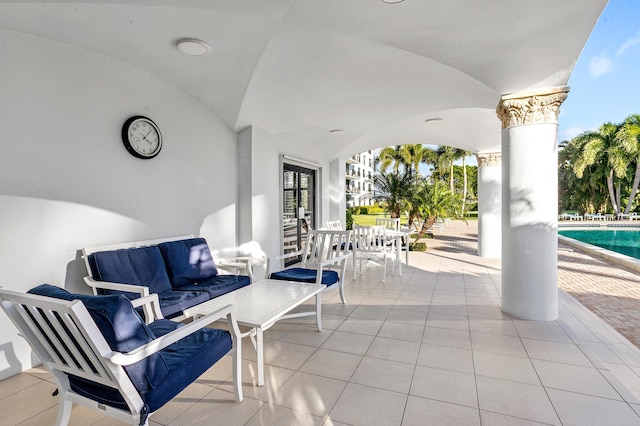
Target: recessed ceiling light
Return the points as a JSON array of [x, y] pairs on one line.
[[392, 1], [336, 131], [432, 120], [193, 47]]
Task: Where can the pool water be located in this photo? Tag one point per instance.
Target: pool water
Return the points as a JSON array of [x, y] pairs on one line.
[[619, 240]]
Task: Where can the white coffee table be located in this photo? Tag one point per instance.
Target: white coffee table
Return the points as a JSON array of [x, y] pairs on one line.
[[260, 305]]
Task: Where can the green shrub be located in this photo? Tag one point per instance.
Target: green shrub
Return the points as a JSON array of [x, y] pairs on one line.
[[364, 210], [418, 247], [349, 219]]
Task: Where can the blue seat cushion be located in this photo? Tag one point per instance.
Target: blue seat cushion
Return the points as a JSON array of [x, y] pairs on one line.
[[140, 266], [187, 359], [305, 275], [172, 303], [188, 261], [218, 285], [122, 328]]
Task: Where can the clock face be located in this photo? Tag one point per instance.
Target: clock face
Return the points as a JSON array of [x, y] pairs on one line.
[[141, 137]]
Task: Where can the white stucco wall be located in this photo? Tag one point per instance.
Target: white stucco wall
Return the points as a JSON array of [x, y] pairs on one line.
[[66, 180], [265, 151]]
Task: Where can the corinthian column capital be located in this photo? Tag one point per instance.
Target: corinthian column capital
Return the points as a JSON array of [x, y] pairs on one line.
[[531, 107], [489, 159]]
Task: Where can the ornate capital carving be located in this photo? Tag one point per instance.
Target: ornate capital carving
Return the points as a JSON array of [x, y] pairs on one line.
[[489, 159], [532, 107]]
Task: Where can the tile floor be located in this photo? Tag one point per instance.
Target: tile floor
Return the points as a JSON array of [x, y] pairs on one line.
[[430, 347]]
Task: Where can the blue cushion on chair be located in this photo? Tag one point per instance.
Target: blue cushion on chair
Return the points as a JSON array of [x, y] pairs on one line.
[[218, 285], [188, 261], [139, 266], [172, 303], [305, 275], [122, 328]]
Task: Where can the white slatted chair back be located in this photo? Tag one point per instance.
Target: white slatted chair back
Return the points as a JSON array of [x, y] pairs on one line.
[[389, 223], [323, 246], [371, 243], [334, 225]]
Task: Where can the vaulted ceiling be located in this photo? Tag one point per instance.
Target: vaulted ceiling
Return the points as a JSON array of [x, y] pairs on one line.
[[375, 71]]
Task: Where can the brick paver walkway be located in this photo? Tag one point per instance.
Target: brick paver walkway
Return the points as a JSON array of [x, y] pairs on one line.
[[610, 291]]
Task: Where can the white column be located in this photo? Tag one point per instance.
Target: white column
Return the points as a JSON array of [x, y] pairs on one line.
[[489, 204], [337, 190], [530, 202]]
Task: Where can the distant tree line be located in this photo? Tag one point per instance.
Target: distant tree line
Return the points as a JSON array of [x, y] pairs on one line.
[[599, 170]]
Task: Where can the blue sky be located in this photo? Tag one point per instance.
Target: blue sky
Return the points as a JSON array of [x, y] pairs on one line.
[[605, 82]]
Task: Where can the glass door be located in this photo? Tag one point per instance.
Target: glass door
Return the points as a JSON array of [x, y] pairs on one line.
[[299, 197]]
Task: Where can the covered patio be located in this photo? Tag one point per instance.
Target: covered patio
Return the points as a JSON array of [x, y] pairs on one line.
[[430, 347]]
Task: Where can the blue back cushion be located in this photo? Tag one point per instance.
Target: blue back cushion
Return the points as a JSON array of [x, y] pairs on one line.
[[122, 328], [140, 266], [188, 261]]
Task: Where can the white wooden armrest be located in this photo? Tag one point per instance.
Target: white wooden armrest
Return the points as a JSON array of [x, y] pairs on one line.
[[107, 285], [270, 260], [151, 306], [178, 334]]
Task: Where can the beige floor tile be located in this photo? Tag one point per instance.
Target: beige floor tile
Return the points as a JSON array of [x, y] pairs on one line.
[[332, 364], [445, 385], [371, 312], [503, 327], [364, 405], [394, 350], [17, 383], [421, 411], [584, 410], [181, 403], [218, 408], [27, 402], [384, 374], [400, 331], [404, 316], [309, 393], [348, 342], [494, 419], [574, 378], [556, 352], [80, 416], [541, 331], [276, 415], [287, 355], [497, 343], [274, 378], [445, 357], [507, 367], [515, 399], [361, 326], [309, 337], [456, 322], [220, 372], [447, 337]]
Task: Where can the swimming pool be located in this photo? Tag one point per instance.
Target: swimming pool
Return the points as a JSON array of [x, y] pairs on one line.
[[623, 241]]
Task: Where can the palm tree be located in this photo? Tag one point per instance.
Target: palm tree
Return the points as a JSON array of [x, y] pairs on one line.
[[601, 147], [432, 200], [629, 137], [398, 156], [394, 190]]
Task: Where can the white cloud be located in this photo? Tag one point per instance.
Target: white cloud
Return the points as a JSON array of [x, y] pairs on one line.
[[627, 45], [570, 133], [600, 65]]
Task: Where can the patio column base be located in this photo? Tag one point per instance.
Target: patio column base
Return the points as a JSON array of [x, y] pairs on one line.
[[530, 203]]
